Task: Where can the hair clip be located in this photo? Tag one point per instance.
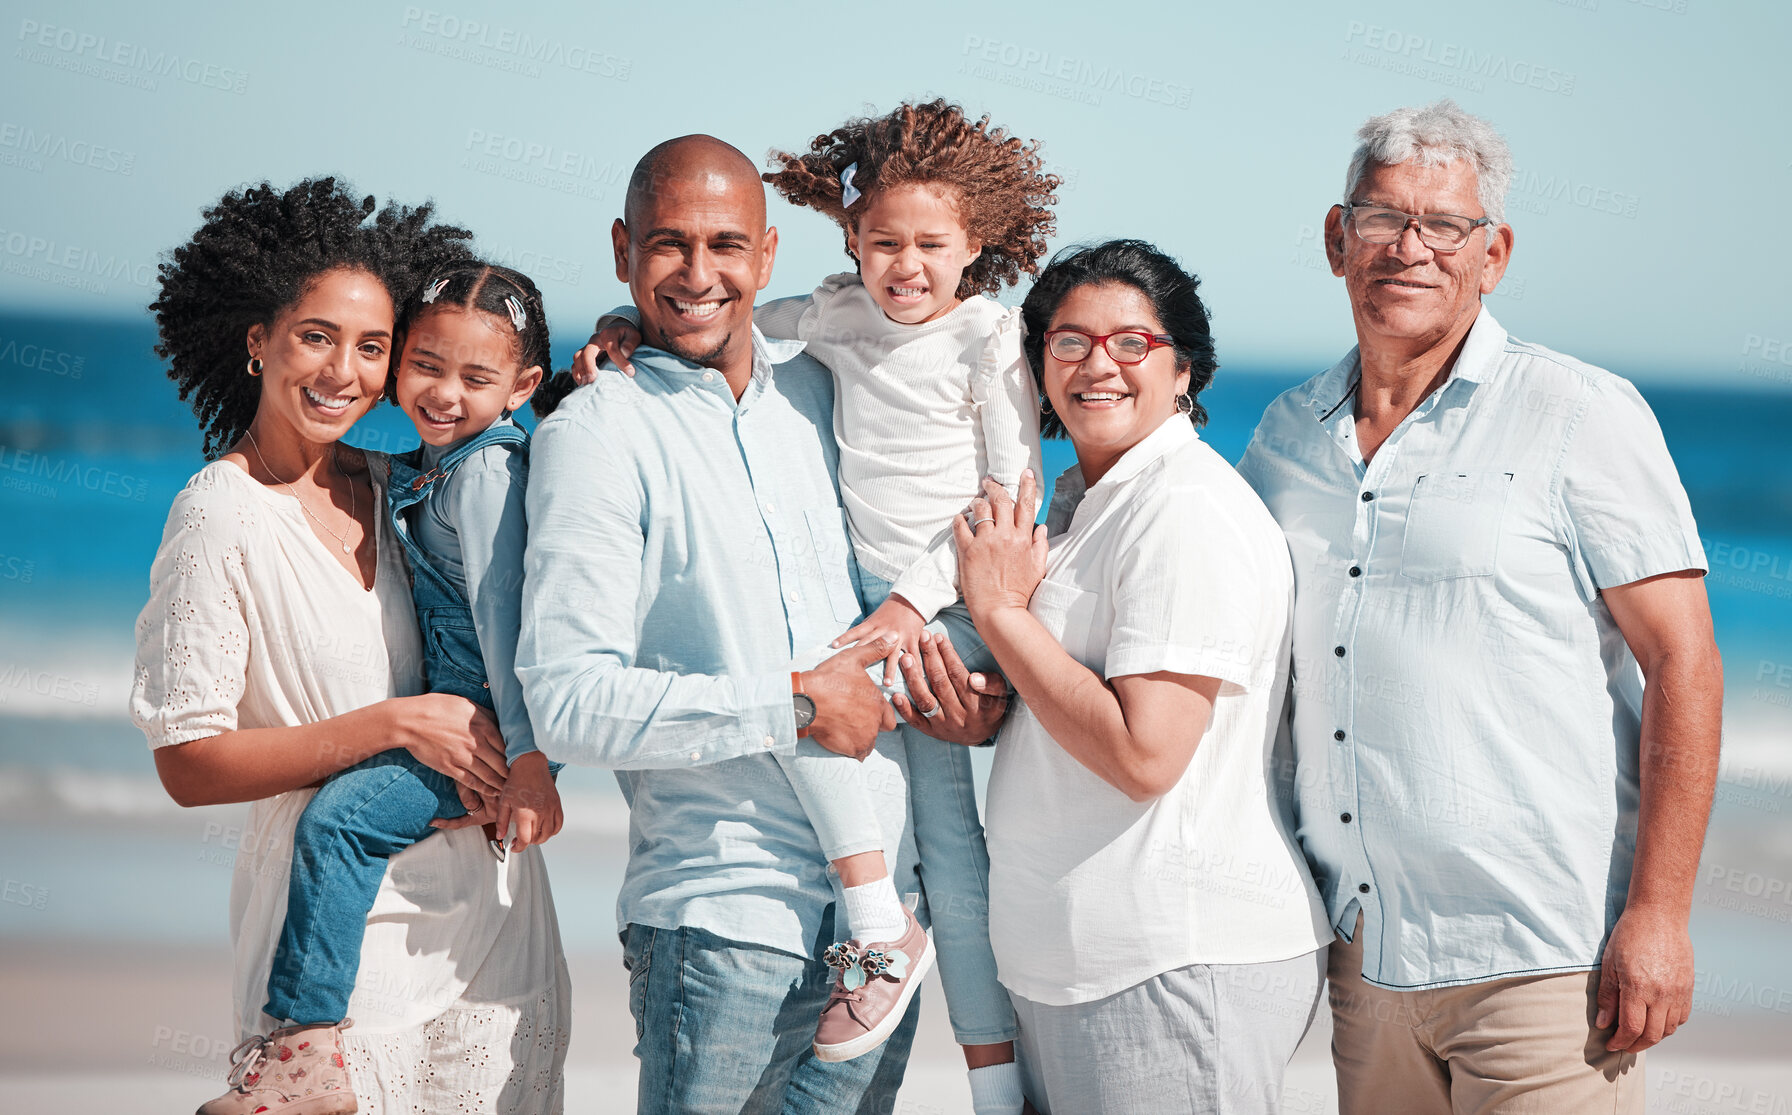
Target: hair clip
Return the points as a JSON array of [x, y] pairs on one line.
[[517, 317], [435, 290], [848, 194]]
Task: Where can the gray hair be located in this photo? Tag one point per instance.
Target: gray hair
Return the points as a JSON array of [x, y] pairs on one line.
[[1437, 134]]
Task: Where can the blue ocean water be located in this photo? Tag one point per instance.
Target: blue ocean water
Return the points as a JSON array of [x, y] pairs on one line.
[[94, 444]]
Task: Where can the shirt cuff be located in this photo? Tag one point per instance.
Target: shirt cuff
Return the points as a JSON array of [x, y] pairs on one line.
[[926, 598], [1205, 662], [1641, 558]]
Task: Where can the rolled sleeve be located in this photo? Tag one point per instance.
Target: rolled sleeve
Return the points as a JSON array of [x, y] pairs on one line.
[[582, 592], [1623, 509], [1183, 604]]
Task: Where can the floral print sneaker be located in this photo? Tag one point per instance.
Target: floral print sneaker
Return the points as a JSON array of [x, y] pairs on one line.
[[297, 1070], [871, 992]]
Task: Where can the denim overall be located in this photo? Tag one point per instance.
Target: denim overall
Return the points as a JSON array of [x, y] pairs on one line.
[[379, 807]]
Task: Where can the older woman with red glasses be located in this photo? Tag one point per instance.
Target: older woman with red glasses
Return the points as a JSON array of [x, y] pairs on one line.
[[1152, 918]]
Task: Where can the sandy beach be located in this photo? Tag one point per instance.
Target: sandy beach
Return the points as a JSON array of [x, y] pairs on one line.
[[109, 987]]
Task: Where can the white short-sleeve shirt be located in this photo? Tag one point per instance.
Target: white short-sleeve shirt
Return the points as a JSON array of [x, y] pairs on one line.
[[1169, 563]]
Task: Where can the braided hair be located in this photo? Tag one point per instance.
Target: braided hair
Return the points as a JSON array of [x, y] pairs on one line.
[[994, 179], [256, 253]]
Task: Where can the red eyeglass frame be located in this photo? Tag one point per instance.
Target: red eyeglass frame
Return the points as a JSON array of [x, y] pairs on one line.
[[1153, 341]]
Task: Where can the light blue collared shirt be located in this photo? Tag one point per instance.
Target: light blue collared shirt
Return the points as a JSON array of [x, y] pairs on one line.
[[1466, 713], [683, 549]]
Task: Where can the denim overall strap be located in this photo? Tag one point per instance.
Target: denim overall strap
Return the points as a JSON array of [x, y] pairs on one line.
[[450, 644]]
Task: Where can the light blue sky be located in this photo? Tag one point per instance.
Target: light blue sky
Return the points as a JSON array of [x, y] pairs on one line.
[[1652, 138]]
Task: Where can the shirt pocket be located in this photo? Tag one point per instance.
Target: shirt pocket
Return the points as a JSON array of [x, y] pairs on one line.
[[833, 555], [1453, 525], [1068, 613]]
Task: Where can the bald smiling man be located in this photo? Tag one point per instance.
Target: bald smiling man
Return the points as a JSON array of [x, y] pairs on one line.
[[687, 547]]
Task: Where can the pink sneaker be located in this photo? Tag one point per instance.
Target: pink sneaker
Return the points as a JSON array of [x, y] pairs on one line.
[[297, 1070], [872, 991]]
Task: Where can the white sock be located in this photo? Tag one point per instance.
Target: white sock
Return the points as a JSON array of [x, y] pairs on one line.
[[873, 912], [995, 1090]]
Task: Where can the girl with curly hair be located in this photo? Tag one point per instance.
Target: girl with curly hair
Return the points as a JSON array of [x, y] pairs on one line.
[[280, 646], [932, 394]]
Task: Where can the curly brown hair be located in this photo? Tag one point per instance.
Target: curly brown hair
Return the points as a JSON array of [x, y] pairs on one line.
[[996, 181]]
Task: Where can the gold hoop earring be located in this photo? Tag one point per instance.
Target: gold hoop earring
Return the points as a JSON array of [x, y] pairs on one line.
[[255, 365]]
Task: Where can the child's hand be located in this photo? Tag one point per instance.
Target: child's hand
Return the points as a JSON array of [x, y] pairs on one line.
[[531, 800], [618, 341], [895, 619]]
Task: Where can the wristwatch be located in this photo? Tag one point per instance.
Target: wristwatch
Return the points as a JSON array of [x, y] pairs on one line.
[[802, 703]]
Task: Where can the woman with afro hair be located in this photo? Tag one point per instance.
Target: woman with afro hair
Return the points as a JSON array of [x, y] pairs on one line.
[[280, 645]]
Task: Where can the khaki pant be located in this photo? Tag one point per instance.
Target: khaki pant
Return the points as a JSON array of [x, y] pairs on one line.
[[1510, 1046]]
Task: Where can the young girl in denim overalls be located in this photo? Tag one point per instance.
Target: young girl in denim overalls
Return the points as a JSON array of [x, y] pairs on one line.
[[474, 343]]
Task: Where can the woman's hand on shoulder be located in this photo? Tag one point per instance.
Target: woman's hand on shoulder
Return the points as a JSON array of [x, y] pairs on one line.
[[1001, 551], [454, 736], [617, 340]]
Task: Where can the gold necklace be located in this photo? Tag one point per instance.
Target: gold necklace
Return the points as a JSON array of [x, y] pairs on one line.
[[346, 548]]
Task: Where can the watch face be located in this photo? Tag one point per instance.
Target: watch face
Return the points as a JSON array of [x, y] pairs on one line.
[[805, 709]]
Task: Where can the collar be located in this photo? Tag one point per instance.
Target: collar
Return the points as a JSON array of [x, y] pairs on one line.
[[1476, 363], [767, 354], [1175, 432]]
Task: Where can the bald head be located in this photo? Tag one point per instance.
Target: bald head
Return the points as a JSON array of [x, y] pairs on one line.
[[702, 162], [694, 250]]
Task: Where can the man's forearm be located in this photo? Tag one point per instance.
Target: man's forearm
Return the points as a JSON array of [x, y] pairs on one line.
[[1681, 733]]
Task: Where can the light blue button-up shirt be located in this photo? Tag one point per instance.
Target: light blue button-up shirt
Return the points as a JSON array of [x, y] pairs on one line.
[[1466, 713], [683, 549]]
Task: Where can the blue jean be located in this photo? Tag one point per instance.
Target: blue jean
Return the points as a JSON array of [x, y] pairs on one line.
[[954, 863], [723, 1026], [358, 819]]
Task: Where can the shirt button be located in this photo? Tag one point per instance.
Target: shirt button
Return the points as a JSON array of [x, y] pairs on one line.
[[1345, 817], [1364, 887], [771, 741], [1356, 571], [1367, 496], [696, 755], [771, 509], [1338, 735], [791, 596], [1339, 651], [709, 377]]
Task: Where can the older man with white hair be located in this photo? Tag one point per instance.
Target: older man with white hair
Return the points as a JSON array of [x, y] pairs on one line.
[[1507, 694]]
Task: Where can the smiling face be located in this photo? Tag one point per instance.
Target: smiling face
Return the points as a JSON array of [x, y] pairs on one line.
[[1108, 408], [459, 372], [912, 248], [325, 357], [694, 252], [1407, 297]]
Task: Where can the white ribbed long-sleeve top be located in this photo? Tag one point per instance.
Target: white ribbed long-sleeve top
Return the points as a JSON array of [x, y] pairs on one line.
[[921, 413]]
